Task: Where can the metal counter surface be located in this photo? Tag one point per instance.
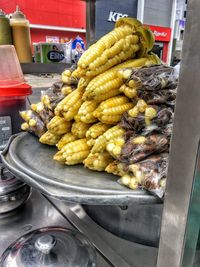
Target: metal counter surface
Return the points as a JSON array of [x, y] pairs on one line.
[[120, 252], [37, 212]]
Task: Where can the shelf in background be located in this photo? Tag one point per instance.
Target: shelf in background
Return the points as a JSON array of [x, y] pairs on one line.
[[38, 68]]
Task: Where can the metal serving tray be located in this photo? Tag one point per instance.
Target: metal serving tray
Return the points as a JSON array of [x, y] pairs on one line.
[[33, 162]]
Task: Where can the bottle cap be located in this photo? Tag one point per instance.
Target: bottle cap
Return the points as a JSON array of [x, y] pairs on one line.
[[18, 14], [2, 14]]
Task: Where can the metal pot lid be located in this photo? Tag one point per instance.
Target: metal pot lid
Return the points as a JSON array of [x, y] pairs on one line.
[[8, 182], [51, 246]]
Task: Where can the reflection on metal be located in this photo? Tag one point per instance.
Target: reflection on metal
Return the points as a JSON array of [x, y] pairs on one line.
[[90, 22], [184, 150], [28, 159], [193, 223]]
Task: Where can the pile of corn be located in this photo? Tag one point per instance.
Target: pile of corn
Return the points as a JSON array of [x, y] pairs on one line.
[[85, 123]]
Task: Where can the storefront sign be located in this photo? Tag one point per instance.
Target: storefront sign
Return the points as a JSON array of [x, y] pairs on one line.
[[161, 34], [114, 16], [108, 12]]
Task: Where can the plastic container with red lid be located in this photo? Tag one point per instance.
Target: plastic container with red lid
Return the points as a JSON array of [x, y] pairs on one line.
[[13, 93]]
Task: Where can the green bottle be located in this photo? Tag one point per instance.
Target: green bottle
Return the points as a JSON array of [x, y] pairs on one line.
[[5, 29]]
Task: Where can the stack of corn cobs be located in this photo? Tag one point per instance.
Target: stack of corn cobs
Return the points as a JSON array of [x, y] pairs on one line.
[[113, 111]]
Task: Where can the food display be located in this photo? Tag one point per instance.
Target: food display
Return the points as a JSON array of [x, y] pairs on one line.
[[112, 112]]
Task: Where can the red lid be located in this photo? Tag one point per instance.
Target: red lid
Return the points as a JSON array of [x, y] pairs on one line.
[[21, 89]]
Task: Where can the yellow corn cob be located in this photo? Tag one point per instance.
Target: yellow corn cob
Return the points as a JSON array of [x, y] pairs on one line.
[[140, 107], [85, 112], [72, 111], [129, 181], [102, 97], [111, 110], [99, 144], [69, 104], [26, 115], [79, 129], [49, 138], [67, 138], [98, 161], [90, 142], [46, 101], [122, 56], [59, 157], [128, 91], [58, 125], [150, 113], [101, 141], [115, 168], [138, 174], [133, 112], [100, 87], [83, 83], [66, 90], [76, 158], [99, 52], [139, 140], [114, 146], [67, 73], [25, 126], [30, 119], [128, 37], [67, 78], [76, 151], [96, 130], [38, 107]]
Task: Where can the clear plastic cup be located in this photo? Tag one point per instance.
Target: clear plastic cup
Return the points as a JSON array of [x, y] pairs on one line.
[[10, 69], [13, 93]]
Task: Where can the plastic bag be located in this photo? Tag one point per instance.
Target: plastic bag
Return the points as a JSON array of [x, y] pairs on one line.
[[149, 174], [138, 124], [138, 148], [167, 97], [154, 171], [52, 96], [153, 78], [78, 48], [33, 123], [45, 113]]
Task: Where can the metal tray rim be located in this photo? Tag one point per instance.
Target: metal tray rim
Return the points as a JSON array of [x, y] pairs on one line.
[[70, 192]]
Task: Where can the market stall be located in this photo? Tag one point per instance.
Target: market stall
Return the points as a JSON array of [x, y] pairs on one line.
[[113, 113]]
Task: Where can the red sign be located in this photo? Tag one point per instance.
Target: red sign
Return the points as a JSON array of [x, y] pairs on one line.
[[162, 34]]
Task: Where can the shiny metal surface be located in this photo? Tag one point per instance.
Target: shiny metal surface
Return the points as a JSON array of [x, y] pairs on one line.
[[37, 212], [135, 223], [45, 243], [111, 246], [184, 150], [51, 247], [8, 182], [14, 199], [33, 162], [120, 252]]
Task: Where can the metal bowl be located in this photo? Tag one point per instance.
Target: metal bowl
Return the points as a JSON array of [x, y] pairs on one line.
[[50, 246], [135, 223], [13, 200], [13, 192]]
